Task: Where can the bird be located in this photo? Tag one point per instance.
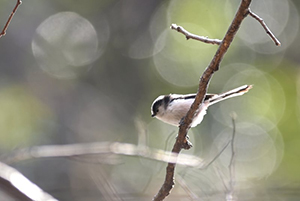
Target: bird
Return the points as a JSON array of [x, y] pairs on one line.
[[172, 108]]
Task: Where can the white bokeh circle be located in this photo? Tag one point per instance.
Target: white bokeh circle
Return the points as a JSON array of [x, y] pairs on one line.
[[255, 106], [258, 152], [63, 42]]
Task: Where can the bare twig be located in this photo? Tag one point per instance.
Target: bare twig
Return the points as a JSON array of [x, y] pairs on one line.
[[203, 84], [3, 32], [263, 24], [189, 35]]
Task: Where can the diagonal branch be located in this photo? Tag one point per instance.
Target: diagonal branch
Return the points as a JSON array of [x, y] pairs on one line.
[[19, 187], [242, 12], [189, 35], [263, 24], [3, 32]]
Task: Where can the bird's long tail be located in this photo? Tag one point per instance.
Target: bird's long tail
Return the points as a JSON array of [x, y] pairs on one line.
[[229, 94]]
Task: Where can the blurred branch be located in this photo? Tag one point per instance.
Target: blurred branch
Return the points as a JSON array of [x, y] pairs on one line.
[[263, 24], [3, 32], [118, 148], [230, 188], [84, 149], [185, 187], [108, 191], [184, 127], [19, 187], [189, 35], [231, 166]]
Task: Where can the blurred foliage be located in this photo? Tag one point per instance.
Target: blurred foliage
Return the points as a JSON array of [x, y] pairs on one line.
[[85, 71], [22, 117]]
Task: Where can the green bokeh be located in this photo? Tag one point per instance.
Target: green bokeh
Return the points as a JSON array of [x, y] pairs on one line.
[[22, 118]]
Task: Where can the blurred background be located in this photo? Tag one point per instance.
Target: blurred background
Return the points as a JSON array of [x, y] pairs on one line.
[[88, 71]]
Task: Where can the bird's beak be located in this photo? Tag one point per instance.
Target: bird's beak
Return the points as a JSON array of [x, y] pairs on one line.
[[152, 115]]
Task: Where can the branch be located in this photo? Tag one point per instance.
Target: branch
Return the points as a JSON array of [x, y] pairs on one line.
[[84, 149], [19, 187], [19, 2], [189, 35], [231, 166], [242, 12], [263, 24], [71, 150]]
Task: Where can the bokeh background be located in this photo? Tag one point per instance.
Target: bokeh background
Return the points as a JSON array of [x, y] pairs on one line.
[[88, 71]]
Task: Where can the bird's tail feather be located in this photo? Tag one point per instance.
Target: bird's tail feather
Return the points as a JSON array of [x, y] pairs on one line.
[[229, 94]]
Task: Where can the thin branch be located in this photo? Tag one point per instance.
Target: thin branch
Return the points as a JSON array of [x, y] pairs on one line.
[[263, 24], [185, 187], [218, 171], [3, 32], [203, 84], [217, 156], [231, 166], [189, 35]]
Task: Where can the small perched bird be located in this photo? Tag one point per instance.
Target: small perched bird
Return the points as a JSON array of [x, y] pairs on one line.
[[173, 107]]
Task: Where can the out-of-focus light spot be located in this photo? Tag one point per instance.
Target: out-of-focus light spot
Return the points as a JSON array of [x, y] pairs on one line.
[[160, 42], [258, 153], [256, 105], [204, 13], [159, 21], [142, 47], [63, 43], [266, 95]]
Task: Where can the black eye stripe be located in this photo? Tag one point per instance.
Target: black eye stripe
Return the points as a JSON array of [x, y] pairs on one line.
[[156, 106], [166, 101]]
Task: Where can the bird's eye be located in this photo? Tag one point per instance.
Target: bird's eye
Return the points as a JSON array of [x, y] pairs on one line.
[[157, 110]]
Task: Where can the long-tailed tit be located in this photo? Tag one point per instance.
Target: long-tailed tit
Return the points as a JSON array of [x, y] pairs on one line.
[[173, 107]]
